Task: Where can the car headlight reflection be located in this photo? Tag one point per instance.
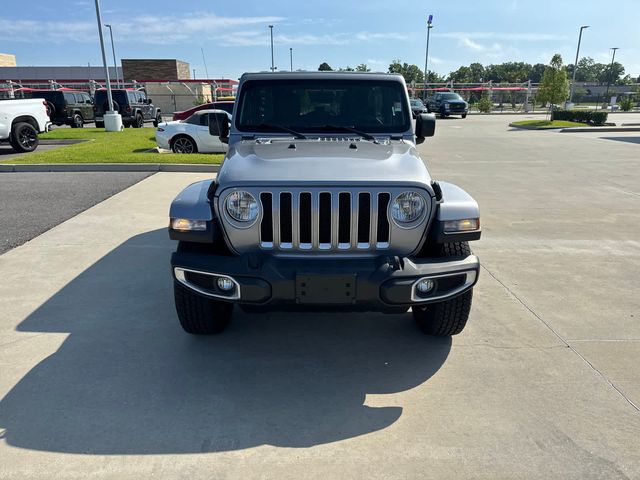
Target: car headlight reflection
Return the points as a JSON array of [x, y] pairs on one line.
[[242, 206], [407, 207]]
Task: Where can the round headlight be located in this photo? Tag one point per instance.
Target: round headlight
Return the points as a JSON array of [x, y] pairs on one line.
[[407, 207], [242, 206]]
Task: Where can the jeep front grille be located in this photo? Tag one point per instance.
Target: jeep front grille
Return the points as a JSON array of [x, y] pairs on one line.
[[318, 220]]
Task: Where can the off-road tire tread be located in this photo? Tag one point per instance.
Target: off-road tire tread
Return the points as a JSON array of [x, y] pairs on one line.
[[199, 315]]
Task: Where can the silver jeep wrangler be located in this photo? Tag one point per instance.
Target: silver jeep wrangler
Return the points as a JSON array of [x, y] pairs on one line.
[[323, 203]]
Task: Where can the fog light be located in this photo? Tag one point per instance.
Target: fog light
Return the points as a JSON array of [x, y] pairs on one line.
[[425, 285], [225, 284]]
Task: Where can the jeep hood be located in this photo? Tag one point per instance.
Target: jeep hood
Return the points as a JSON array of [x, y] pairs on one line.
[[325, 162]]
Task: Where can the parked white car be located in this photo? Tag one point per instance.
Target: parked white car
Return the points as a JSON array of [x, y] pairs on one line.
[[191, 135], [21, 121]]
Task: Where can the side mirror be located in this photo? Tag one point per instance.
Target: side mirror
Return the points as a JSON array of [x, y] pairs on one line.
[[219, 126], [425, 126], [149, 101]]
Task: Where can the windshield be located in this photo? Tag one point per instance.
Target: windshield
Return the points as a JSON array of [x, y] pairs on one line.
[[119, 96], [451, 96], [417, 103], [316, 104]]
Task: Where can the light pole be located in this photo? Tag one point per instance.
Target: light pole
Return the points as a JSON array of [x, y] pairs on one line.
[[613, 57], [575, 65], [112, 120], [291, 57], [273, 68], [115, 61], [426, 58]]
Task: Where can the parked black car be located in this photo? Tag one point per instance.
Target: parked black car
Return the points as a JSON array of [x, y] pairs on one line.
[[133, 105], [65, 107], [448, 103], [417, 107]]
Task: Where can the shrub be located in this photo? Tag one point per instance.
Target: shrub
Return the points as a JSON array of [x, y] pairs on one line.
[[484, 104], [626, 103], [587, 116]]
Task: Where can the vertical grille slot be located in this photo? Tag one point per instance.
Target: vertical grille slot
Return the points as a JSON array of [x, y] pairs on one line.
[[305, 220], [383, 221], [344, 220], [286, 219], [266, 227], [364, 219], [324, 221]]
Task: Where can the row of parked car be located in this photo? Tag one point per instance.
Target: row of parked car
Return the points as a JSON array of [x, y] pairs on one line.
[[77, 108]]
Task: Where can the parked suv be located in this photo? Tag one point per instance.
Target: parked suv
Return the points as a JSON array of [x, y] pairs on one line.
[[323, 203], [133, 105], [65, 107], [448, 103]]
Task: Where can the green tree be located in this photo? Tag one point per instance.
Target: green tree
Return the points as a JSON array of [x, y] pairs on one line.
[[554, 87], [346, 69], [411, 73], [536, 72], [325, 67], [363, 68]]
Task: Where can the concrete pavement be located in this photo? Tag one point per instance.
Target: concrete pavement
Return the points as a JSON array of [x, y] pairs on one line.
[[98, 380]]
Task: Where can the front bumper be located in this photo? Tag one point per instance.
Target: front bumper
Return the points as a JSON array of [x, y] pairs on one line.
[[373, 284]]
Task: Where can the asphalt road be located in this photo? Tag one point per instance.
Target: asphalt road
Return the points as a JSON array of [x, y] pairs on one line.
[[99, 381], [32, 203]]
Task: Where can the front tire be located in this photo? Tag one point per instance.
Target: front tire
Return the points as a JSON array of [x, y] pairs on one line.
[[24, 138], [157, 121], [464, 115], [99, 124], [446, 318], [200, 315]]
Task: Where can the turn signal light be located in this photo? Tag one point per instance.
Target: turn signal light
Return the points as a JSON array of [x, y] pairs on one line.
[[465, 225], [186, 225]]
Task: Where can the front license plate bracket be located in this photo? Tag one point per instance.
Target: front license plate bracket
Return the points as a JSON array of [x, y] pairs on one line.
[[325, 289]]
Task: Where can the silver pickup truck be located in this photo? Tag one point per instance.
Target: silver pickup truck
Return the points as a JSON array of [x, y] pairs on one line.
[[21, 121], [323, 203]]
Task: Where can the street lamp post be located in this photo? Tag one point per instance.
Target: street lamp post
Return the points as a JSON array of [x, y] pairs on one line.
[[273, 68], [115, 61], [426, 58], [613, 57], [291, 57], [112, 120], [575, 65]]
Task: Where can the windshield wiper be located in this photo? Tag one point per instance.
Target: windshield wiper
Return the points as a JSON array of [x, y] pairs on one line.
[[364, 135], [283, 129]]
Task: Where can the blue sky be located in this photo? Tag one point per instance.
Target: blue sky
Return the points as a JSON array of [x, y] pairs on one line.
[[235, 35]]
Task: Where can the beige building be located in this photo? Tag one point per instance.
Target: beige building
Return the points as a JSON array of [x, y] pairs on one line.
[[176, 96], [7, 60], [155, 69]]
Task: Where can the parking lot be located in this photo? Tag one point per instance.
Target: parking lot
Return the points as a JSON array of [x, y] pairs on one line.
[[98, 378]]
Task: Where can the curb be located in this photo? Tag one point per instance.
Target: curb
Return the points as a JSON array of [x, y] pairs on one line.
[[108, 167], [599, 129]]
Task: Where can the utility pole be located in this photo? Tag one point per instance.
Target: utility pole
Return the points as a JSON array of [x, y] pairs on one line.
[[112, 120], [115, 61], [613, 57], [426, 58], [273, 68], [575, 65], [291, 57]]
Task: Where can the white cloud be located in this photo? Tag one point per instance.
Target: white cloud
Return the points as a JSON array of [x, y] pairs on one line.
[[516, 37], [259, 38]]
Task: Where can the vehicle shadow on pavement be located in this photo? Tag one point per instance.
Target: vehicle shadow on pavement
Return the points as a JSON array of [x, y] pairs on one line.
[[127, 380]]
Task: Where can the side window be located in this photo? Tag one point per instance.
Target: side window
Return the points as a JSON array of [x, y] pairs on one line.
[[195, 119], [86, 98], [142, 97], [69, 97], [132, 97], [204, 120]]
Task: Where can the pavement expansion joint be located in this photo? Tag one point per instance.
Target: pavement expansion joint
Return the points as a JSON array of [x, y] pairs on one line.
[[562, 339]]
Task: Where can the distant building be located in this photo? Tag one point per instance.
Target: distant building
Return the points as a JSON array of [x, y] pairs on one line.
[[58, 74], [7, 60], [155, 69]]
